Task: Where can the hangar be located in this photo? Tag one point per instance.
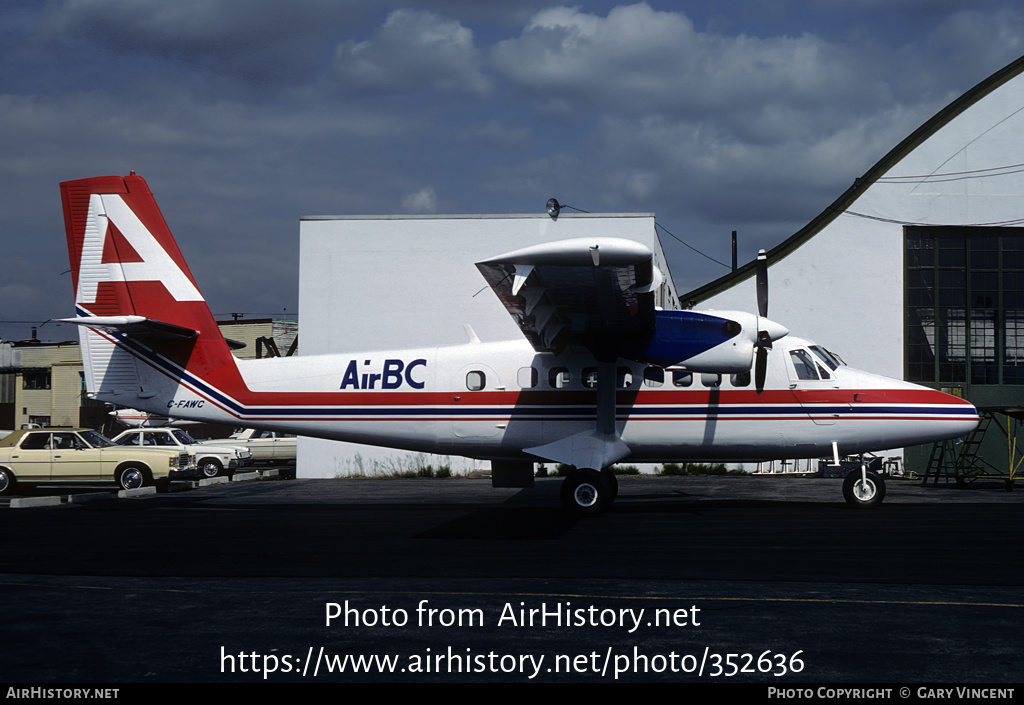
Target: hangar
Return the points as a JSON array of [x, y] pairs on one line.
[[915, 272]]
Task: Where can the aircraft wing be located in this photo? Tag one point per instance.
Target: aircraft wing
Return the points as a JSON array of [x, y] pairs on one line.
[[582, 291]]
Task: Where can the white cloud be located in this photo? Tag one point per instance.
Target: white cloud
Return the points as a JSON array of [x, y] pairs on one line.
[[413, 50], [639, 60], [423, 201]]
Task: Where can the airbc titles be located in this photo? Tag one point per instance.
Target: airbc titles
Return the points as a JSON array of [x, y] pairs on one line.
[[394, 374]]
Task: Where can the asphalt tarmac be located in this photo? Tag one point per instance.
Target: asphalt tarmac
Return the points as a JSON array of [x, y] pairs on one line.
[[769, 580]]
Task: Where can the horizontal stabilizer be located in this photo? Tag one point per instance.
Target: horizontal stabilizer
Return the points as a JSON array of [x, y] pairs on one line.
[[136, 326]]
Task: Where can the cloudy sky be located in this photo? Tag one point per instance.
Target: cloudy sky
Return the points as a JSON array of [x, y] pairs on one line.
[[243, 115]]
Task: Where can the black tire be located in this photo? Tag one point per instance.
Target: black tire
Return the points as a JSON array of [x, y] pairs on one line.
[[860, 495], [613, 484], [210, 467], [132, 477], [585, 492], [7, 481]]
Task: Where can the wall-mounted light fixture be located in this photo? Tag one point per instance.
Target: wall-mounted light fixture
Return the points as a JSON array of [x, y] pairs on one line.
[[554, 207]]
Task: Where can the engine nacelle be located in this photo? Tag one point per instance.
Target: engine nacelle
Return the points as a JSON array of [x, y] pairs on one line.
[[721, 342]]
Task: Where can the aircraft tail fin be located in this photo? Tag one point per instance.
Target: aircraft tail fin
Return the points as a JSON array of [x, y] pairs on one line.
[[143, 321]]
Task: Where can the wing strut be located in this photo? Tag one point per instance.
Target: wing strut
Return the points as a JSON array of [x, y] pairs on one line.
[[606, 399], [595, 449]]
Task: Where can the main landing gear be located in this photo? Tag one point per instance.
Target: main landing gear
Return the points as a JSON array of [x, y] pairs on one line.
[[588, 492]]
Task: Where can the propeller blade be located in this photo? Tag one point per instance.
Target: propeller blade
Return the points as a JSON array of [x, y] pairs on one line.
[[762, 284], [760, 368]]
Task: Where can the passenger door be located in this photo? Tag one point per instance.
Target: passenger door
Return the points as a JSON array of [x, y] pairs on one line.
[[73, 459], [811, 383]]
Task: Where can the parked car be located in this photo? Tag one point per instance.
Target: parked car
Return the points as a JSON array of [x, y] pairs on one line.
[[82, 455], [212, 460], [270, 446]]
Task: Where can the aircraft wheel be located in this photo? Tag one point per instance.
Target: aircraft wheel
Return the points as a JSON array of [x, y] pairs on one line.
[[132, 478], [863, 495], [613, 484], [585, 492], [7, 481], [210, 467]]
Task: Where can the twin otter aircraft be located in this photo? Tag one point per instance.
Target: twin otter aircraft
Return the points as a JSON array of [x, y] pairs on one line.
[[600, 376]]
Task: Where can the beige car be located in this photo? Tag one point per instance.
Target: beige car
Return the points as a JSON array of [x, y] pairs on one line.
[[82, 455]]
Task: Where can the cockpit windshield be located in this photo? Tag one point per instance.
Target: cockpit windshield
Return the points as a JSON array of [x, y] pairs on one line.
[[829, 358]]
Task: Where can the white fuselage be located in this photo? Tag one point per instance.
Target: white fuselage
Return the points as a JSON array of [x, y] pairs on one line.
[[493, 400]]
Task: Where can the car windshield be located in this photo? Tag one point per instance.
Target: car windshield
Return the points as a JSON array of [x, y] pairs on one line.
[[183, 437], [96, 440]]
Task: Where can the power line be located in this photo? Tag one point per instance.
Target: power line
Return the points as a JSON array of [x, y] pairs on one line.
[[940, 177], [881, 219], [683, 242]]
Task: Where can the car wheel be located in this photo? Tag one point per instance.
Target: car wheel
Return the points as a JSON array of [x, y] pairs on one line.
[[210, 467], [7, 481], [132, 478]]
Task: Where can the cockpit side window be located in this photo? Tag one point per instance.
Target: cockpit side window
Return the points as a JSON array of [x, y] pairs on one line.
[[803, 364]]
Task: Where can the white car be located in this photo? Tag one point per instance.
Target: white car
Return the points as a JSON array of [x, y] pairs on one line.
[[269, 446], [211, 459]]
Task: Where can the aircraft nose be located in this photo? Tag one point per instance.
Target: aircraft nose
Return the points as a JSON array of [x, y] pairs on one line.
[[961, 415]]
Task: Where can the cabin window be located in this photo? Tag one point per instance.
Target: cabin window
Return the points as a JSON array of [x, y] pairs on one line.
[[475, 380], [681, 378], [558, 377], [711, 380], [589, 377], [740, 380], [527, 377], [654, 377]]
